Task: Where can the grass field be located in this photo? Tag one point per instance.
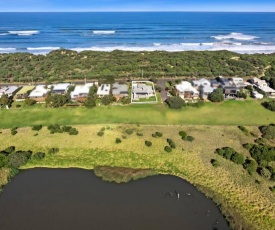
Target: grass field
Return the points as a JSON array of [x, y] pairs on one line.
[[248, 205], [226, 113]]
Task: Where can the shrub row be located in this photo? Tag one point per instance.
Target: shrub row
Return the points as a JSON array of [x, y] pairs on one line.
[[231, 154], [157, 134], [185, 137], [61, 129]]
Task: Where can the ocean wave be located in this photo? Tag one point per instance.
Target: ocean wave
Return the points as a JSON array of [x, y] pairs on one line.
[[235, 36], [43, 48], [4, 34], [156, 44], [7, 49], [24, 32], [104, 32]]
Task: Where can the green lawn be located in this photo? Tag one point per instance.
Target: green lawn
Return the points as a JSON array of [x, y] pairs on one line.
[[225, 113]]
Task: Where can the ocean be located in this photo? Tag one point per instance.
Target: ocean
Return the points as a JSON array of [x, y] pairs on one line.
[[40, 33]]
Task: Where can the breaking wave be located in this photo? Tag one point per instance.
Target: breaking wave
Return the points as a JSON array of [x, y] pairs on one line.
[[104, 32], [42, 48], [24, 32], [235, 36]]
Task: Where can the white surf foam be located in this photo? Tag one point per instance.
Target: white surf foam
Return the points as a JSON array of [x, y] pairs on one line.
[[104, 32], [24, 32], [235, 36], [156, 44], [3, 34], [7, 49], [43, 48]]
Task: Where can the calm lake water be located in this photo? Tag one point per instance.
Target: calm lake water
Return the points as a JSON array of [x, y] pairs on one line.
[[76, 199]]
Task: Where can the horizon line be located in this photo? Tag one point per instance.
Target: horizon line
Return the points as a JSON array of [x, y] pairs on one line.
[[144, 11]]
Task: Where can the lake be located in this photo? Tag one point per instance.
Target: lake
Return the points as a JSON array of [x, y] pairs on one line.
[[77, 199]]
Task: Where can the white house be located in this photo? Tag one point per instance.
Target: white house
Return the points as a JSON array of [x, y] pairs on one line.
[[262, 85], [142, 90], [201, 82], [186, 90], [103, 90], [8, 90], [205, 91], [238, 82], [81, 91], [60, 88], [39, 93], [257, 95]]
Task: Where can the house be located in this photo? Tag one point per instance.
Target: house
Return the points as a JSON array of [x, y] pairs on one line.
[[142, 90], [238, 82], [201, 82], [120, 90], [224, 81], [205, 91], [23, 93], [39, 93], [60, 88], [103, 90], [257, 95], [215, 83], [262, 85], [9, 91], [230, 91], [80, 92], [187, 91]]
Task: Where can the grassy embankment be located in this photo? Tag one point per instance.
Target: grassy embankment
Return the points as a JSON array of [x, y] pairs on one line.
[[248, 112], [245, 203]]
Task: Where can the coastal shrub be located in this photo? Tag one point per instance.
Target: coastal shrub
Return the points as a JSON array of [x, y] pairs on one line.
[[262, 152], [55, 128], [108, 99], [148, 143], [9, 149], [73, 131], [264, 172], [102, 129], [168, 149], [13, 132], [56, 101], [90, 102], [38, 156], [171, 143], [220, 152], [244, 130], [272, 189], [123, 137], [3, 161], [118, 140], [154, 135], [129, 131], [268, 131], [237, 158], [139, 134], [158, 134], [190, 138], [18, 106], [37, 127], [100, 133], [19, 158], [29, 102], [125, 100], [215, 163], [183, 134], [269, 105], [272, 178], [250, 166], [53, 150]]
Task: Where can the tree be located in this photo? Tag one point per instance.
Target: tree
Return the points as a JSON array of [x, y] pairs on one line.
[[216, 96], [269, 105], [175, 102], [30, 102], [19, 158], [55, 101], [268, 132], [265, 173], [5, 101], [107, 99], [90, 102]]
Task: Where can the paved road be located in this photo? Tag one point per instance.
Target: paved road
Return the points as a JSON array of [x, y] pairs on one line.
[[163, 94]]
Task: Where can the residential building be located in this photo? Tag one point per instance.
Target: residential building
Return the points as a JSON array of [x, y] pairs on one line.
[[8, 90], [257, 95], [230, 91], [238, 82], [262, 85], [142, 90], [60, 88], [205, 91], [39, 93], [120, 90], [224, 81], [201, 82], [215, 83], [80, 92], [23, 93], [187, 91], [103, 90]]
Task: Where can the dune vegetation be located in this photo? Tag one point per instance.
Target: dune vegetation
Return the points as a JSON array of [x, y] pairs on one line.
[[246, 200]]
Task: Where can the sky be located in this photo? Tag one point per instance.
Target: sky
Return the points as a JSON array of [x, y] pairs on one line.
[[136, 5]]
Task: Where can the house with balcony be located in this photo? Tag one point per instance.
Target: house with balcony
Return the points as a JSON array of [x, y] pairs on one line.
[[187, 91]]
